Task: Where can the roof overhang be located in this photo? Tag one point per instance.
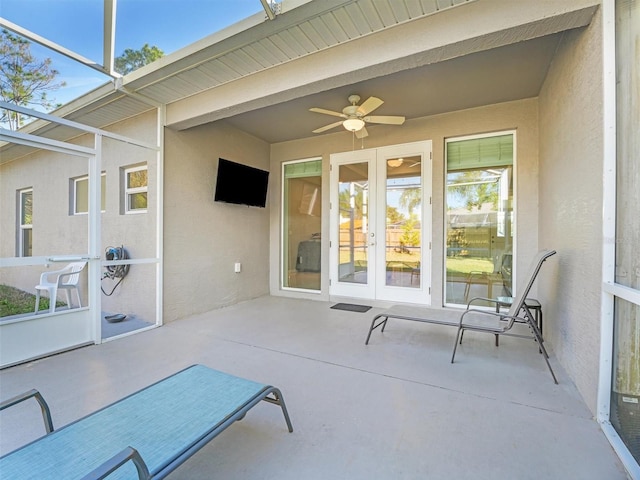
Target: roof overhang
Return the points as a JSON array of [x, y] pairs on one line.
[[311, 48]]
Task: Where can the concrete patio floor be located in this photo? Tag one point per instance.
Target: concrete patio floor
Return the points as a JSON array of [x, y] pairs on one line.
[[396, 408]]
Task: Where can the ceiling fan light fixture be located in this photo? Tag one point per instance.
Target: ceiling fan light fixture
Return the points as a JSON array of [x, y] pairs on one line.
[[395, 162], [353, 124]]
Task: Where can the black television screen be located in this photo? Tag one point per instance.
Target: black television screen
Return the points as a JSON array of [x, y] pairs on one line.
[[241, 184]]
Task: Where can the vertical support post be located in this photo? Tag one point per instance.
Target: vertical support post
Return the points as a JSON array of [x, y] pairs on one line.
[[161, 121], [94, 233], [109, 39]]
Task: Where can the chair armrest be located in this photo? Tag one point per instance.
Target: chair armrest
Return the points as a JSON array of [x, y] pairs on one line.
[[63, 276], [44, 275], [484, 299], [115, 462], [46, 413]]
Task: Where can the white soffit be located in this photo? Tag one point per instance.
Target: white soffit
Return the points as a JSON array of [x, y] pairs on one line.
[[314, 27]]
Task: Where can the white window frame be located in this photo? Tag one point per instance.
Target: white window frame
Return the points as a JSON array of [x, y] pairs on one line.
[[74, 205], [132, 191], [514, 209], [24, 226], [283, 232]]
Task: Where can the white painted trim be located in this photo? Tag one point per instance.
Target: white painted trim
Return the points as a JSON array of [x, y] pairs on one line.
[[629, 294]]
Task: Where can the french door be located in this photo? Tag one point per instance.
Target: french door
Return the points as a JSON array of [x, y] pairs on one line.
[[381, 223]]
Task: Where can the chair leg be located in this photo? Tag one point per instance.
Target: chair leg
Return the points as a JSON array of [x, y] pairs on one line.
[[538, 337], [374, 326], [77, 289], [53, 297], [66, 291], [455, 345], [37, 300]]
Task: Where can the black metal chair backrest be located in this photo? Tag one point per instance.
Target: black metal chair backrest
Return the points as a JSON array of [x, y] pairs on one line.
[[519, 299]]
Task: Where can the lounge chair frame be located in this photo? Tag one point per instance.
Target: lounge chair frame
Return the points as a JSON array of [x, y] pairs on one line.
[[204, 401], [519, 312]]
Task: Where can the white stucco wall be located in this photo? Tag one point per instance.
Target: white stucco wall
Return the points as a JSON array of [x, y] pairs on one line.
[[520, 115], [571, 153], [203, 239]]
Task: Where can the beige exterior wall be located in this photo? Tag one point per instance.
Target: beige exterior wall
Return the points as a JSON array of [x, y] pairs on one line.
[[203, 239], [57, 232], [520, 115], [571, 153]]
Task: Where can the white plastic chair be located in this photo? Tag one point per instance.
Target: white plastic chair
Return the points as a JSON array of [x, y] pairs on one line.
[[65, 279]]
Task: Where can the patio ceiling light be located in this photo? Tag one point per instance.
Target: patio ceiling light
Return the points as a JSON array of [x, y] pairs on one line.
[[353, 124], [395, 162]]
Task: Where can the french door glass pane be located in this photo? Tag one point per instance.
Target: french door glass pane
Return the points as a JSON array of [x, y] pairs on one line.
[[302, 217], [403, 228], [479, 217], [353, 197]]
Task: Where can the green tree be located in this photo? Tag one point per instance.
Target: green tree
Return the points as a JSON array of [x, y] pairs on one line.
[[346, 202], [131, 59], [410, 235], [410, 198], [475, 188], [394, 215], [24, 79]]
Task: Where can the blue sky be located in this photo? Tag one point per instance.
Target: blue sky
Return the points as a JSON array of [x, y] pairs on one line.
[[77, 25]]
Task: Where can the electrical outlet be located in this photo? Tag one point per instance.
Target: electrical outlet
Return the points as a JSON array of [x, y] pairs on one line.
[[238, 267]]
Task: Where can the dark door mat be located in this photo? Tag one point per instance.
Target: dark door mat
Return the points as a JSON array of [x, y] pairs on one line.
[[351, 307]]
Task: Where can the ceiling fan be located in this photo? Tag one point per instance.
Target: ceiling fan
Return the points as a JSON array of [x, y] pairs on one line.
[[356, 116]]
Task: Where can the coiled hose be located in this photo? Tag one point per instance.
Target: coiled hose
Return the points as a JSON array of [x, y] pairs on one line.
[[115, 271]]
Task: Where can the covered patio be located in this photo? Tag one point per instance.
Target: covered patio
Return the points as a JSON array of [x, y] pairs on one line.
[[395, 408]]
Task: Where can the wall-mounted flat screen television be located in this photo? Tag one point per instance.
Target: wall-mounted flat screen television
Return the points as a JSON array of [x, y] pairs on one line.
[[241, 184]]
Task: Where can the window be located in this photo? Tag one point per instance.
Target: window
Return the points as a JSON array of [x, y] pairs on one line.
[[25, 219], [301, 219], [135, 189], [80, 192], [479, 217]]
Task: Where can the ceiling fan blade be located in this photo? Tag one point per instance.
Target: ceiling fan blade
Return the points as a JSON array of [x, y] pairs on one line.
[[369, 106], [362, 133], [389, 119], [327, 127], [326, 112]]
